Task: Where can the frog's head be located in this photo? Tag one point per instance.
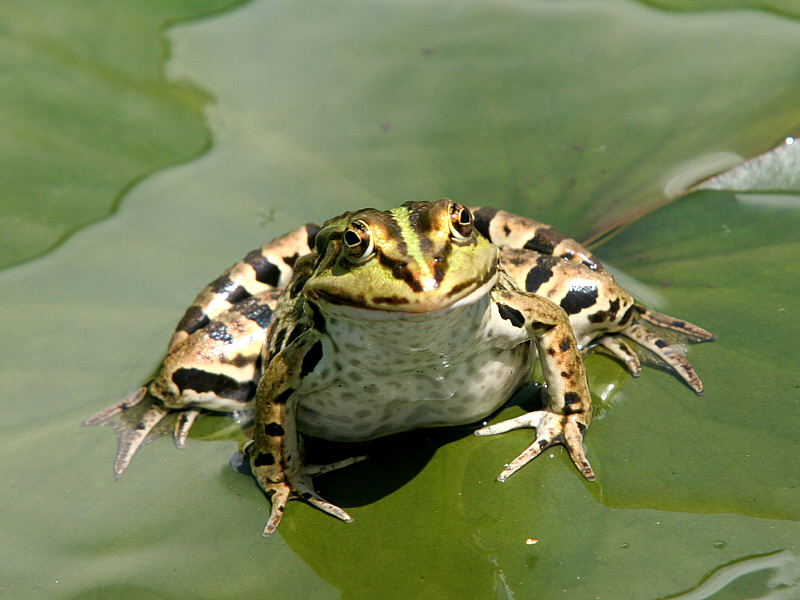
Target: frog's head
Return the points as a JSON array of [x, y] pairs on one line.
[[420, 257]]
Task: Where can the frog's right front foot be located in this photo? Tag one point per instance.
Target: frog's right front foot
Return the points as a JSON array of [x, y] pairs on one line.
[[551, 429], [279, 487]]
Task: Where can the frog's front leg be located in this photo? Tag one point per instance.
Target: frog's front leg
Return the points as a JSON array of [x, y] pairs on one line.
[[568, 405], [276, 451]]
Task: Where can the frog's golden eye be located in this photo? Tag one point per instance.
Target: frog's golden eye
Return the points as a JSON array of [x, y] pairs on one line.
[[357, 241], [460, 222]]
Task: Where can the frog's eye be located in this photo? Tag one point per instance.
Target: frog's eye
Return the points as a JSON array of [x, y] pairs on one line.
[[460, 222], [357, 241]]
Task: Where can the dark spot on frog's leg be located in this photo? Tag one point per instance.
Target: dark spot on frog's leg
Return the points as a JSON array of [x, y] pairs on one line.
[[273, 429], [266, 272], [264, 459], [626, 318], [237, 360], [483, 217], [540, 274], [660, 343], [193, 319], [233, 292], [311, 359], [512, 315], [253, 310], [564, 344], [578, 299], [571, 401], [284, 396], [602, 316], [566, 374], [581, 428], [545, 240], [206, 381]]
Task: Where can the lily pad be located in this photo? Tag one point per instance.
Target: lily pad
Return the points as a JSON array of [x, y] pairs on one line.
[[573, 113], [87, 112]]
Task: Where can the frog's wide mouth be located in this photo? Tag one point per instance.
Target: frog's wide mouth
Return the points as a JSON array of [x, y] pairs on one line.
[[373, 304]]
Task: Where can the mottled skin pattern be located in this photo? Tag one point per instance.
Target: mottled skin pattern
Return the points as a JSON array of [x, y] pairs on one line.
[[385, 321]]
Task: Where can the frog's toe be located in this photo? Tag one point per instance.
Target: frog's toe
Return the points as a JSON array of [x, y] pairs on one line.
[[623, 352], [551, 429], [107, 414], [690, 331], [130, 441], [671, 355], [305, 490], [278, 494], [183, 424]]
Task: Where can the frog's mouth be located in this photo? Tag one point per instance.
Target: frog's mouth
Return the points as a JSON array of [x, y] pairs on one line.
[[372, 304]]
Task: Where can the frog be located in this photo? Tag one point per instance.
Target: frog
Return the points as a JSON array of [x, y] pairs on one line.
[[430, 314]]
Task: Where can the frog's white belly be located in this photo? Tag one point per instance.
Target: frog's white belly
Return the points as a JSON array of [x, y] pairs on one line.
[[382, 377]]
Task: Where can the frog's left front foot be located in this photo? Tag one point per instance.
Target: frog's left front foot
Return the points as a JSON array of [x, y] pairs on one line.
[[551, 429]]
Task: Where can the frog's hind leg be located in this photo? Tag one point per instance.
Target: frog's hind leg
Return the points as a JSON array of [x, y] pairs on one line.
[[670, 355]]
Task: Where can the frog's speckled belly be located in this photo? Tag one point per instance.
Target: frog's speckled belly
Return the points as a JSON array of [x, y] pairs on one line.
[[445, 373]]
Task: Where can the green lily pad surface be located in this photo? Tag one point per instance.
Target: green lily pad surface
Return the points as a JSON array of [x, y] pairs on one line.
[[593, 116]]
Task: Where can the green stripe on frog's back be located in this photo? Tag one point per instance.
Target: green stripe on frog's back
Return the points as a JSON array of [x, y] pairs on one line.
[[415, 243]]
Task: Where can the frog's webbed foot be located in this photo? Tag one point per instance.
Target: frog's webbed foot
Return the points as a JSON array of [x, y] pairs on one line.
[[551, 429], [139, 419], [294, 487], [133, 419], [300, 487], [663, 343]]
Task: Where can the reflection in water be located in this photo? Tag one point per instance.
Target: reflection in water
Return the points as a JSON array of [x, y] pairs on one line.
[[769, 200], [784, 582]]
